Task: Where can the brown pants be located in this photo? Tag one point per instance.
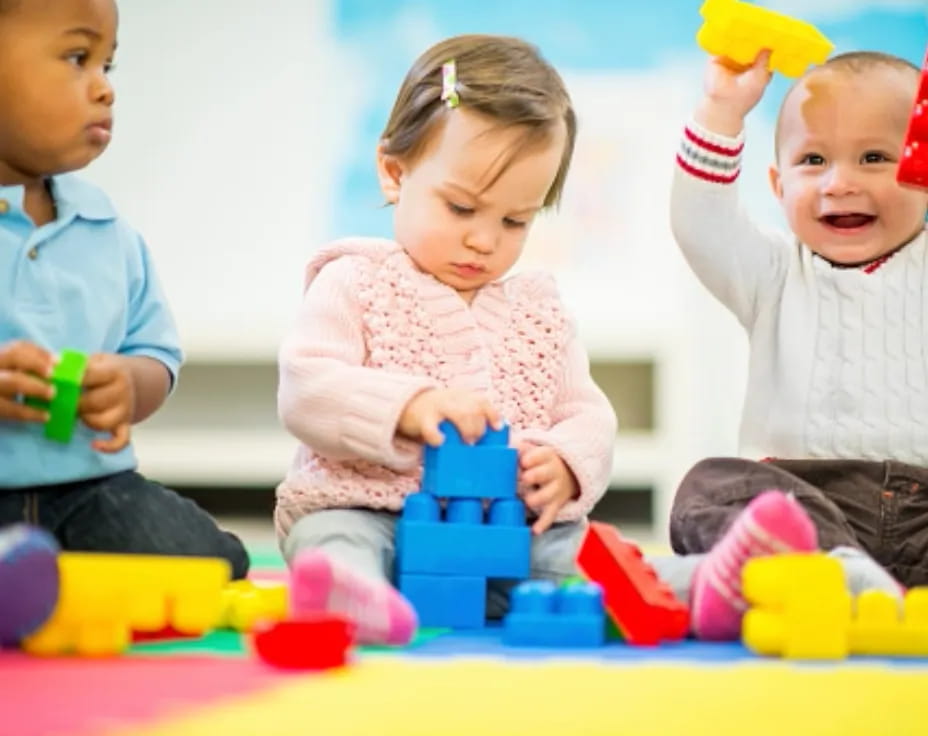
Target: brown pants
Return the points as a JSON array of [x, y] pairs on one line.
[[879, 507]]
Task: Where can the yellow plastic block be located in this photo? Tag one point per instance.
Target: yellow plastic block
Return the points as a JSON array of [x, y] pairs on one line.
[[103, 598], [802, 609], [878, 627], [739, 31], [245, 604]]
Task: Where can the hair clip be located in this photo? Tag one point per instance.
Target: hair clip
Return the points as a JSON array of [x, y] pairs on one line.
[[449, 84]]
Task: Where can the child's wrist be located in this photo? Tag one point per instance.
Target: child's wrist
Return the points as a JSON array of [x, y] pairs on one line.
[[720, 118]]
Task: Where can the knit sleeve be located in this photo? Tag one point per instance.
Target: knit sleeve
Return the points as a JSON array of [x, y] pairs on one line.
[[582, 432], [327, 398], [735, 260]]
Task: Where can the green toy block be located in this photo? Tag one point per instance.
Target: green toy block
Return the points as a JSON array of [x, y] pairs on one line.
[[67, 377]]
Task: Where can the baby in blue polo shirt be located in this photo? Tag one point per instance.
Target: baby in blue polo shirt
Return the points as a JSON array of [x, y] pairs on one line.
[[76, 275]]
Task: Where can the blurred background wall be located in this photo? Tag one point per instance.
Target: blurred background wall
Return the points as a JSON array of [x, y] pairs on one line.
[[245, 135]]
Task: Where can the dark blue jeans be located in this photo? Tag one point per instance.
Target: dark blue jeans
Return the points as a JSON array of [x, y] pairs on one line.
[[122, 513]]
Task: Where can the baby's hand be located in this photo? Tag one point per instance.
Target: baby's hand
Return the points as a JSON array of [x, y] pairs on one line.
[[469, 411], [731, 92], [22, 368], [546, 483], [108, 401]]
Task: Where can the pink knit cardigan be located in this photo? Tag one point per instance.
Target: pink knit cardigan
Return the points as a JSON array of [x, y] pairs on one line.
[[374, 331]]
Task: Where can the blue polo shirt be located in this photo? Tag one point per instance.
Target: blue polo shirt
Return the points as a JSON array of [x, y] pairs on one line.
[[84, 281]]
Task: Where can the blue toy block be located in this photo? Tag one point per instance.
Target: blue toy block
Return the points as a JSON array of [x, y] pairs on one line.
[[488, 469], [463, 544], [455, 601], [543, 615]]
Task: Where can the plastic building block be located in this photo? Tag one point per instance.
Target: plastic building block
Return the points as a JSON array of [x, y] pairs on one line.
[[877, 627], [643, 608], [462, 544], [28, 581], [802, 610], [316, 642], [543, 615], [104, 597], [739, 31], [488, 469], [67, 377], [913, 164], [245, 604], [455, 601]]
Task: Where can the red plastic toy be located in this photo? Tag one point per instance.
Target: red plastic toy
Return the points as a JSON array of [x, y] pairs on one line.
[[643, 608], [913, 164], [309, 643]]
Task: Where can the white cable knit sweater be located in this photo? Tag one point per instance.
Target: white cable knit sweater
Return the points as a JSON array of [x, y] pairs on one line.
[[838, 356]]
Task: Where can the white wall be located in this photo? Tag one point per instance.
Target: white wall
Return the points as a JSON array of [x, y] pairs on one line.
[[228, 118]]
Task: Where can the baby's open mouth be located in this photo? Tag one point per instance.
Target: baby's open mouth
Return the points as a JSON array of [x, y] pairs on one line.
[[847, 220]]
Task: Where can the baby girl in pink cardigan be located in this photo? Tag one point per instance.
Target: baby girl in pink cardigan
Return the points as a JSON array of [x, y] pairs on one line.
[[395, 336]]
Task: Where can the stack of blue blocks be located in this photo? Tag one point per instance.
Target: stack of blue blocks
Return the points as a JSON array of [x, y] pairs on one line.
[[448, 544]]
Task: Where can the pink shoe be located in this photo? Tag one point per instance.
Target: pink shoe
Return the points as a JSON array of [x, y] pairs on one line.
[[380, 613], [772, 523]]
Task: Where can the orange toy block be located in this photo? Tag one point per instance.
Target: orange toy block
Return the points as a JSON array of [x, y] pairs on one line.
[[103, 598], [913, 163], [643, 608], [246, 604]]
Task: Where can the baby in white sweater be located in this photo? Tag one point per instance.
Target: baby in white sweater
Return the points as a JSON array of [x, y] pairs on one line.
[[836, 312]]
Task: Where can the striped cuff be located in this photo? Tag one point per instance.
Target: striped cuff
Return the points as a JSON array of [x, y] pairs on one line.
[[710, 156]]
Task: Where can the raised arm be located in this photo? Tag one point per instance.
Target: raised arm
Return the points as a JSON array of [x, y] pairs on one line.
[[733, 258]]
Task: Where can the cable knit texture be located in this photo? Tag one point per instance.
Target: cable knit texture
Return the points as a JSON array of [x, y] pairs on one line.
[[374, 331], [838, 363]]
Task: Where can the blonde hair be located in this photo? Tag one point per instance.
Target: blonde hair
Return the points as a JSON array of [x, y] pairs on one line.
[[501, 77], [852, 62]]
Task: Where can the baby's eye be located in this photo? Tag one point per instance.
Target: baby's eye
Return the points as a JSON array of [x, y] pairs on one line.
[[874, 157], [460, 210], [812, 159], [77, 58], [514, 224], [109, 66]]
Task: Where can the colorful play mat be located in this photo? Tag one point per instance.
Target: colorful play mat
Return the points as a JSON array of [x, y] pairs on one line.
[[458, 683]]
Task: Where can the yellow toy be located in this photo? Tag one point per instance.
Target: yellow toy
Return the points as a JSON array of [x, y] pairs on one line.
[[739, 31], [103, 598], [245, 604], [877, 628], [802, 610]]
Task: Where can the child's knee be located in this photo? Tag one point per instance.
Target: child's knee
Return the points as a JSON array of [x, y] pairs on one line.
[[357, 528], [862, 572]]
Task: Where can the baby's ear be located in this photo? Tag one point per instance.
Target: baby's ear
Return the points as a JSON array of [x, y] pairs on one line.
[[776, 184], [390, 171]]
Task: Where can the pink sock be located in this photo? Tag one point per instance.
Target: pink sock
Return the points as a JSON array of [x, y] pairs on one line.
[[381, 614], [772, 523]]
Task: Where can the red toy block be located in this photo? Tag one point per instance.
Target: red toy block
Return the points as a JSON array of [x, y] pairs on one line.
[[643, 608], [913, 164], [313, 642]]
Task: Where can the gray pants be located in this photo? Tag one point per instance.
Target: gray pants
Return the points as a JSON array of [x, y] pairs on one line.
[[362, 539]]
